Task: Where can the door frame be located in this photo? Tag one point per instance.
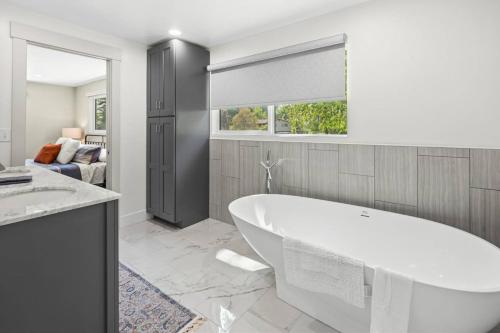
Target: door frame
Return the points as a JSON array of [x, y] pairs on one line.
[[21, 36]]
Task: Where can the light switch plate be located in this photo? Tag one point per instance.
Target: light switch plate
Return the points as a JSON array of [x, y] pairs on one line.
[[4, 134]]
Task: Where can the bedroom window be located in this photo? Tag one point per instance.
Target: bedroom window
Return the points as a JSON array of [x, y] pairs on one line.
[[97, 110], [297, 90]]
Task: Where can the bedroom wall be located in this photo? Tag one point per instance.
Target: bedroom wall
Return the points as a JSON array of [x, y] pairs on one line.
[[82, 102], [49, 108], [419, 72], [132, 100]]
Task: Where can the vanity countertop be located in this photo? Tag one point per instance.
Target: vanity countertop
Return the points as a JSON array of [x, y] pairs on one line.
[[48, 193]]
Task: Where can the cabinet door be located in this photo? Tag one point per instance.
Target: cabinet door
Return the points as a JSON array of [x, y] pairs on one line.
[[167, 168], [155, 81], [153, 166], [167, 104]]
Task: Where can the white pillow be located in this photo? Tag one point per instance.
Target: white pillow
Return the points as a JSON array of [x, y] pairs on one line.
[[61, 140], [68, 150], [102, 155]]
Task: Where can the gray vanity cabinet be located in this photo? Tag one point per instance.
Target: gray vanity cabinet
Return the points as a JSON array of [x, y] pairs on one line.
[[178, 132], [59, 272]]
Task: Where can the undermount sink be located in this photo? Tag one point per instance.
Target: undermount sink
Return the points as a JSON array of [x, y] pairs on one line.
[[33, 198]]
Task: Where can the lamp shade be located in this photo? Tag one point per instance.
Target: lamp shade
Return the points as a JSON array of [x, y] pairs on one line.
[[72, 132]]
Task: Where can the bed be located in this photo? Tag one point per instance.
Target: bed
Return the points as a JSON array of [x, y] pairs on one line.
[[94, 173]]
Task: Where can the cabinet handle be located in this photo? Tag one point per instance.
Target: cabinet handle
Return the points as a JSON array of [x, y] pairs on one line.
[[157, 107]]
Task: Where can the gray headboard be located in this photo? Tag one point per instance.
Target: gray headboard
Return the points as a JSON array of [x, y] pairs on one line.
[[96, 139]]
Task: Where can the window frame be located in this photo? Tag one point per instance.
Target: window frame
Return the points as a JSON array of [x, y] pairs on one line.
[[215, 122], [91, 100], [270, 134]]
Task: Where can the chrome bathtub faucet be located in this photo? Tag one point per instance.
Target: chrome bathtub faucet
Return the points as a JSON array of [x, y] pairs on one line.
[[268, 166]]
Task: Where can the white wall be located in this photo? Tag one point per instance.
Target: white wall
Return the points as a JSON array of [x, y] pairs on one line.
[[132, 99], [82, 102], [49, 108], [421, 72]]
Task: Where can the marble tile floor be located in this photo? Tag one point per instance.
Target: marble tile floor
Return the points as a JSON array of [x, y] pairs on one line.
[[210, 269]]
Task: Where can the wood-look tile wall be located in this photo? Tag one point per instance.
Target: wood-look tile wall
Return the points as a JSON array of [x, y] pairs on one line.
[[456, 186]]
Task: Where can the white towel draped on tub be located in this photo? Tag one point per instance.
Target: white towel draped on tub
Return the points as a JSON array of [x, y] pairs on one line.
[[391, 302], [319, 270]]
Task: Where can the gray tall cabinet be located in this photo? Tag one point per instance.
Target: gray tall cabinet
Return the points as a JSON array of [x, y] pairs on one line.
[[178, 132]]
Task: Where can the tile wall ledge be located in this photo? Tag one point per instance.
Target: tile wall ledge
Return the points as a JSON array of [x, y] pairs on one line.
[[333, 139]]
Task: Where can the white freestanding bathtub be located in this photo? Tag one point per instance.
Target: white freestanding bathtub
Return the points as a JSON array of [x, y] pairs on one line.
[[456, 274]]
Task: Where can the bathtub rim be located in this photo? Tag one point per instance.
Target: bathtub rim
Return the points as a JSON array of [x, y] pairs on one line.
[[373, 267]]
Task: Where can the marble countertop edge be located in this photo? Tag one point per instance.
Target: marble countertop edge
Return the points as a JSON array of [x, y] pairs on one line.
[[41, 213], [80, 195]]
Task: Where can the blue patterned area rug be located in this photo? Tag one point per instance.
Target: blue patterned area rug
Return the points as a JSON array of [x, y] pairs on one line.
[[144, 308]]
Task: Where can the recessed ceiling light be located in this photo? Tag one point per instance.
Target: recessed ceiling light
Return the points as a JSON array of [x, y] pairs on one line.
[[175, 32]]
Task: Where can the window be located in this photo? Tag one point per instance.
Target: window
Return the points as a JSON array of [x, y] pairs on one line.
[[299, 118], [97, 110], [244, 119], [311, 118], [300, 89]]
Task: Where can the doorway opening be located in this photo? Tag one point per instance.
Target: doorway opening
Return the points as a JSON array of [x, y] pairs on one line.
[[66, 109], [103, 130]]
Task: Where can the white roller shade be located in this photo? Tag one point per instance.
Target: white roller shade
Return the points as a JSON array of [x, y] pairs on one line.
[[313, 71]]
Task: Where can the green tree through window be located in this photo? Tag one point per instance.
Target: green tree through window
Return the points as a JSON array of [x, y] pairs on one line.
[[244, 119], [304, 118], [100, 113], [312, 118]]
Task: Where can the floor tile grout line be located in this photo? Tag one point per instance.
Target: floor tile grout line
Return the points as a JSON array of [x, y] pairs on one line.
[[250, 307]]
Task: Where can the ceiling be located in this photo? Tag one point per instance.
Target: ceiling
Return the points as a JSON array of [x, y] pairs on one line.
[[206, 22], [62, 68]]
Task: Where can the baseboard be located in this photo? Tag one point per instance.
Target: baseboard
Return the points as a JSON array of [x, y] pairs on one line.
[[134, 217]]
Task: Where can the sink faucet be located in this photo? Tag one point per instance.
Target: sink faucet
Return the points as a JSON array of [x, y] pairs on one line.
[[268, 166]]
